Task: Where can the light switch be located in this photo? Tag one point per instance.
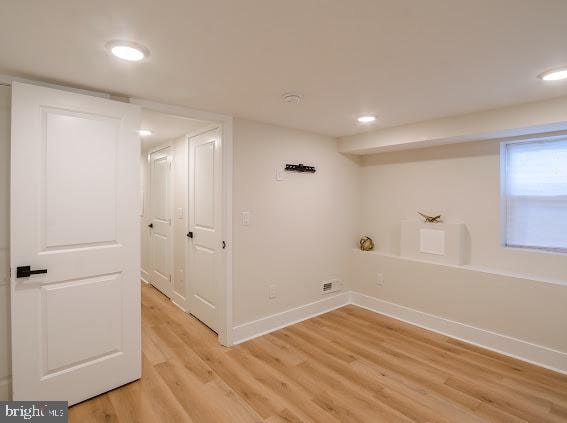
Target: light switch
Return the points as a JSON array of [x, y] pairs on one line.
[[245, 218], [280, 175], [180, 212]]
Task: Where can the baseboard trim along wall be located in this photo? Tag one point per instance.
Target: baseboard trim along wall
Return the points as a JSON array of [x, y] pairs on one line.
[[512, 347], [145, 275], [277, 321], [178, 300]]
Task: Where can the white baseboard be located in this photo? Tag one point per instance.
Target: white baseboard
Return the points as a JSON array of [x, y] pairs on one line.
[[178, 300], [506, 345], [145, 276], [277, 321], [6, 389], [513, 347]]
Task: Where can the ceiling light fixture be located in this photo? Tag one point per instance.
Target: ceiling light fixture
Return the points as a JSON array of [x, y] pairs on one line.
[[554, 75], [127, 50], [366, 119], [145, 132]]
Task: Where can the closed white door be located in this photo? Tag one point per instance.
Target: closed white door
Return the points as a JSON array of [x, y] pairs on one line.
[[205, 244], [75, 244], [160, 224]]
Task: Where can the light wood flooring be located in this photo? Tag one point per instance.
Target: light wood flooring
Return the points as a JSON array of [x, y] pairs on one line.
[[347, 365]]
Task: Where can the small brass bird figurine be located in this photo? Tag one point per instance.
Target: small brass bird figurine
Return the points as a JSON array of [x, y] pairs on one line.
[[430, 219]]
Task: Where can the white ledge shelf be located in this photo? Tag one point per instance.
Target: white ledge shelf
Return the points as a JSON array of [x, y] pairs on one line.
[[471, 267]]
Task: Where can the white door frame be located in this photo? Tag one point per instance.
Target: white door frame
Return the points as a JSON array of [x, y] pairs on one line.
[[171, 207], [225, 123]]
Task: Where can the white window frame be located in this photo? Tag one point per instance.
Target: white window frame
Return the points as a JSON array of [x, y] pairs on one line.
[[504, 194]]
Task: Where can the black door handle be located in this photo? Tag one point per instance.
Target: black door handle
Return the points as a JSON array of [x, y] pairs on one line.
[[26, 272], [151, 225], [190, 234]]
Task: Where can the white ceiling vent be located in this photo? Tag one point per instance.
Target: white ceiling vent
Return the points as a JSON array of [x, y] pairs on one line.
[[331, 286]]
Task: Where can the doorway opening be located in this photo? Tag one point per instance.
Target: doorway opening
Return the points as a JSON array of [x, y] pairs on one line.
[[183, 231]]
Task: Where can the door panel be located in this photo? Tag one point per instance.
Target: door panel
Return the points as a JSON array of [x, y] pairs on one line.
[[160, 259], [205, 265], [74, 212], [160, 233], [204, 185], [95, 334], [91, 141]]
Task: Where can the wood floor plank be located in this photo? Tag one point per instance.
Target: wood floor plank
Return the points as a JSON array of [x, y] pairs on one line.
[[349, 365], [286, 390]]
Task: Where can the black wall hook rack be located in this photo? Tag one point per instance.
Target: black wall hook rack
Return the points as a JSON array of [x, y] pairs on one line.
[[300, 168]]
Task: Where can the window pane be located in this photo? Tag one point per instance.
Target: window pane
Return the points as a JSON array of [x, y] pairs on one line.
[[536, 190], [537, 168], [537, 222]]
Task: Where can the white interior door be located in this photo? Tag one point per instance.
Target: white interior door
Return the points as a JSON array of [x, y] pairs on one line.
[[75, 217], [205, 261], [160, 223]]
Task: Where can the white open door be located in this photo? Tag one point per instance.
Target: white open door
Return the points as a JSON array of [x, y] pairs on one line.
[[205, 266], [160, 224], [74, 216]]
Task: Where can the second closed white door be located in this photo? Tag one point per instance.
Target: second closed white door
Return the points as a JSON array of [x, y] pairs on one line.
[[205, 244], [160, 220]]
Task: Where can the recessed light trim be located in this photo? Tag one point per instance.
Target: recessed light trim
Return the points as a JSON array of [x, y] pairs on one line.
[[145, 132], [554, 74], [366, 119], [127, 50]]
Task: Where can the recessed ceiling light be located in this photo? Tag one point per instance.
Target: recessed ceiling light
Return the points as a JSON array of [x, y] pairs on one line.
[[127, 50], [366, 119], [554, 75], [145, 132]]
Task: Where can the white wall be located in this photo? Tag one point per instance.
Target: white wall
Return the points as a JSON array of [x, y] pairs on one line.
[[301, 230], [5, 364], [462, 183]]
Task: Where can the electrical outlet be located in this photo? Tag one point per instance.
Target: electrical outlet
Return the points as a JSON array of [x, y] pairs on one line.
[[272, 292], [380, 279]]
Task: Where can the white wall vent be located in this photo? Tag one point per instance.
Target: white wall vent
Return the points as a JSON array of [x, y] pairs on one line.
[[333, 285]]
